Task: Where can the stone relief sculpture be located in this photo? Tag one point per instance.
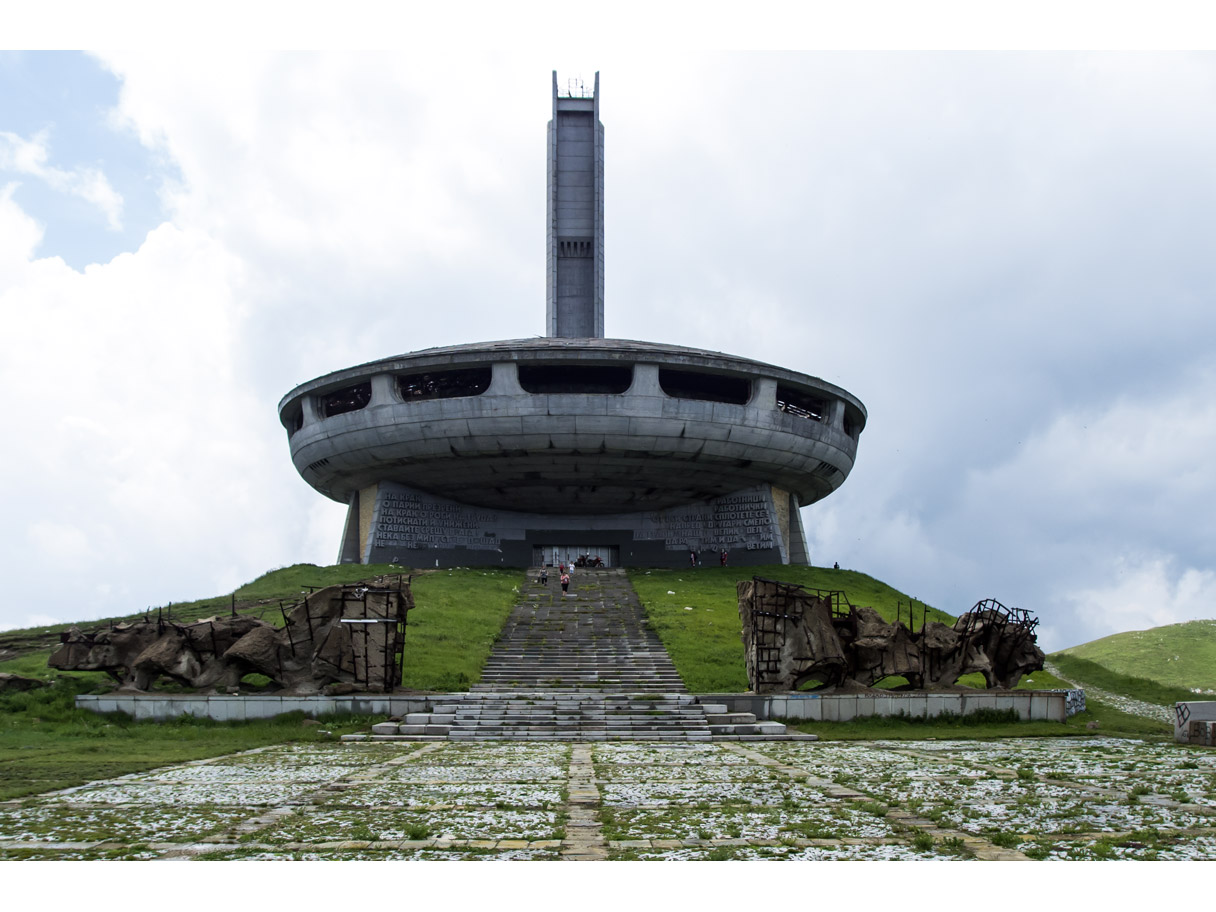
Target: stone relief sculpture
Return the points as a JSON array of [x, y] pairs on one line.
[[793, 635], [338, 639]]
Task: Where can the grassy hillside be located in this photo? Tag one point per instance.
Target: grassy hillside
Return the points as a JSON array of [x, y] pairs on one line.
[[260, 598], [457, 616], [696, 614], [1178, 655], [1091, 674]]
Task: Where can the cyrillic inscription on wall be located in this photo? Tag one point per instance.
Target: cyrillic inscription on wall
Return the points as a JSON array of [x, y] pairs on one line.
[[405, 519], [742, 520]]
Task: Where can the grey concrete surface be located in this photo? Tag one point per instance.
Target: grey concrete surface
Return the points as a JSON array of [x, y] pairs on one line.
[[1036, 705], [1046, 705]]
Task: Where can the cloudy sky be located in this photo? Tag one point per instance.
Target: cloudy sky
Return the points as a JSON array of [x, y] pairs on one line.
[[1008, 257]]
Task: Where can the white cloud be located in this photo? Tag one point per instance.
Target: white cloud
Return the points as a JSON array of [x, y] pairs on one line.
[[146, 457], [30, 156], [20, 236], [1145, 592]]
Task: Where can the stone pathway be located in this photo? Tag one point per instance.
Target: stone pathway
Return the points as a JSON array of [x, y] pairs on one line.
[[1153, 711], [584, 838], [1095, 798]]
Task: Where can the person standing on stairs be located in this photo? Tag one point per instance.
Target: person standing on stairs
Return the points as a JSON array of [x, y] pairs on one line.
[[565, 583]]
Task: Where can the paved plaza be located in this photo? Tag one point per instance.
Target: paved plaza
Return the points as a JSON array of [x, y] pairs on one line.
[[1012, 799]]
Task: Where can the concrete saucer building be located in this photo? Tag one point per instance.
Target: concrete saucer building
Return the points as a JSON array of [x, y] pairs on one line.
[[543, 450]]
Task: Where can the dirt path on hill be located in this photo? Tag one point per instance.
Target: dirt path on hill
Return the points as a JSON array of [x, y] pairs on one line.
[[1154, 711]]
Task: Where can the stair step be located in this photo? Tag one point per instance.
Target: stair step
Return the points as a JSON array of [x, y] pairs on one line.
[[729, 718], [588, 667]]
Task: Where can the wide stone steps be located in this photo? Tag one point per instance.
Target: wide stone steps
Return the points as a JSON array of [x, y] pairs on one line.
[[581, 667], [571, 716], [597, 636]]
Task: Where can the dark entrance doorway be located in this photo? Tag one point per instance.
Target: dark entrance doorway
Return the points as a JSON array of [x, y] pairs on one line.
[[576, 555]]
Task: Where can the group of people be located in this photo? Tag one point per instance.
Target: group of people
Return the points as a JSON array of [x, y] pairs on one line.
[[543, 578], [694, 559]]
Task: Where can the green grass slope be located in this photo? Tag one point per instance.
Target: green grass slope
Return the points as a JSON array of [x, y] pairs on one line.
[[1092, 675], [696, 614], [456, 619], [260, 598], [1177, 655]]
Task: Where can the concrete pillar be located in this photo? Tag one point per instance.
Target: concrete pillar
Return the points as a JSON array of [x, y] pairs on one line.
[[764, 394], [836, 414], [799, 552], [382, 390], [367, 514], [504, 380], [348, 550], [645, 381], [309, 406]]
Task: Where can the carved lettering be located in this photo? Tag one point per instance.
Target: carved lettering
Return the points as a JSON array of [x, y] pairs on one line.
[[408, 521], [744, 521]]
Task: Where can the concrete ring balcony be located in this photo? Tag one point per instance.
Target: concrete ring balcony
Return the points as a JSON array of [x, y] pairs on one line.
[[553, 425]]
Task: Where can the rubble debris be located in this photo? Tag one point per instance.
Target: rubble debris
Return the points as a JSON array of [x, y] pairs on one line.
[[15, 683], [793, 635], [342, 638]]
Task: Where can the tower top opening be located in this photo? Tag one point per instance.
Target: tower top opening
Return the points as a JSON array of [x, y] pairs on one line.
[[576, 87]]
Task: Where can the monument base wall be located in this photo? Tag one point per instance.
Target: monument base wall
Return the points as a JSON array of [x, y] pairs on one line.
[[1030, 705], [402, 525], [1042, 705]]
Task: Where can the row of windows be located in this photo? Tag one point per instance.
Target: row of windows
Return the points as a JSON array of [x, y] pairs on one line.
[[570, 379]]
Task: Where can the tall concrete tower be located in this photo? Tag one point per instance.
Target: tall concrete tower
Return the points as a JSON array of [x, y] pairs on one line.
[[574, 296]]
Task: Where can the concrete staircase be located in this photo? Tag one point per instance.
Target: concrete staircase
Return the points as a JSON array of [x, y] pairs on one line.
[[581, 667], [577, 716], [595, 638]]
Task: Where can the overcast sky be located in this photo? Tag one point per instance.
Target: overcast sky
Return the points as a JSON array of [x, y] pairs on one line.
[[1007, 257]]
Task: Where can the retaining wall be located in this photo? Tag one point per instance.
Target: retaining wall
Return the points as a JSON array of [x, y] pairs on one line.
[[1046, 705], [238, 708], [1038, 705]]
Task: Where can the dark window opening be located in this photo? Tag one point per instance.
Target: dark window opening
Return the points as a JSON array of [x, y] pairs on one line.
[[580, 249], [350, 399], [802, 405], [294, 420], [706, 387], [451, 384], [575, 378]]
